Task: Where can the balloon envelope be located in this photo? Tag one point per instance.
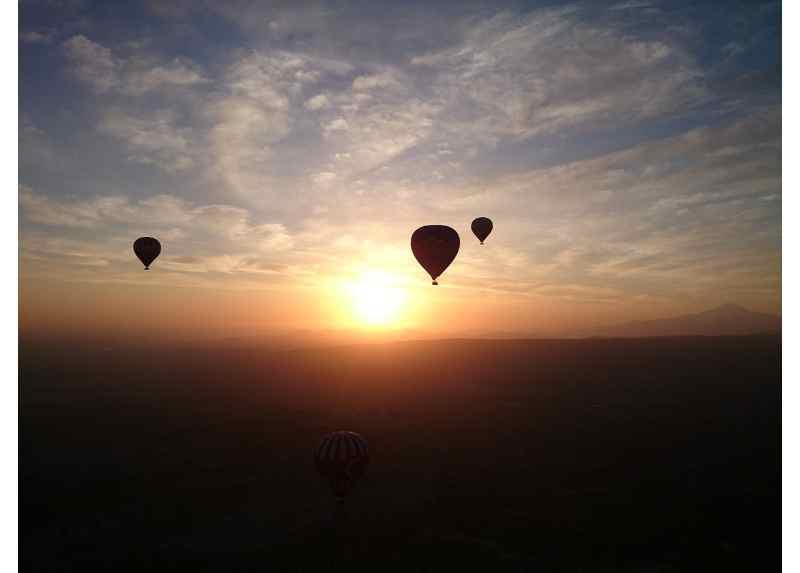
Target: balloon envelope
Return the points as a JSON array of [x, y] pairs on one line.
[[482, 227], [147, 249], [435, 247], [341, 459]]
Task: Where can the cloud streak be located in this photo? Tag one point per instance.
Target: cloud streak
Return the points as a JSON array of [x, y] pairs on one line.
[[105, 72]]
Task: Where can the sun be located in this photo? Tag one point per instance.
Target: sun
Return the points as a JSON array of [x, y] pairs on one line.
[[376, 298]]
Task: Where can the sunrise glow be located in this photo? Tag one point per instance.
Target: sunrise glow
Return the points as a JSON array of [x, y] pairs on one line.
[[376, 298], [284, 156]]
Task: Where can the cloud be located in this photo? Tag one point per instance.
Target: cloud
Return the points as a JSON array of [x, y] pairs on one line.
[[70, 250], [279, 72], [338, 124], [317, 102], [507, 77], [373, 81], [631, 4], [34, 37], [176, 73], [324, 178], [40, 209], [207, 231], [671, 219], [92, 63], [35, 147], [97, 66], [732, 49], [550, 70], [262, 97], [161, 210], [241, 138], [154, 138], [365, 135]]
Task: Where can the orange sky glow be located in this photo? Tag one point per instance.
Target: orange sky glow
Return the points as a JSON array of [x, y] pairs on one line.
[[632, 172]]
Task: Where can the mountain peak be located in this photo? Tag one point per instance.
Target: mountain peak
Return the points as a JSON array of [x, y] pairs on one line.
[[727, 319]]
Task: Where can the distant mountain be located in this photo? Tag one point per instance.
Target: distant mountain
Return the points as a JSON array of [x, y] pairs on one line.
[[728, 319]]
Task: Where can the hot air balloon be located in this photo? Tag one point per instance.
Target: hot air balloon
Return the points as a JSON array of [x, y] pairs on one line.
[[341, 459], [435, 247], [482, 227], [147, 249]]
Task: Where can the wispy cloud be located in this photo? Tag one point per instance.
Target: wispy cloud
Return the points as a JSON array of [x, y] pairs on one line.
[[101, 69], [552, 70], [631, 4], [151, 139], [222, 237], [37, 37], [319, 101], [92, 63]]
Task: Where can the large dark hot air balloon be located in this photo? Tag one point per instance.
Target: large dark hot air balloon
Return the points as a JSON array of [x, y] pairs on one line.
[[435, 247], [341, 459], [147, 249], [482, 227]]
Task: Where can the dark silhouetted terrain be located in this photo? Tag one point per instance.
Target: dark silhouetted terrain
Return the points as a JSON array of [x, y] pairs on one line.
[[725, 320], [522, 455]]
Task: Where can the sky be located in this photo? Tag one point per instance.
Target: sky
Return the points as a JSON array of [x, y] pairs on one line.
[[629, 155]]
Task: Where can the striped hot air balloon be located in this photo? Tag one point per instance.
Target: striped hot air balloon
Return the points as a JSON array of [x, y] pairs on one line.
[[341, 459]]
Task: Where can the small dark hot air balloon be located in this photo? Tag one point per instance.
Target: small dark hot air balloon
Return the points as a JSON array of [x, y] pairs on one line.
[[435, 247], [147, 249], [482, 227], [341, 459]]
